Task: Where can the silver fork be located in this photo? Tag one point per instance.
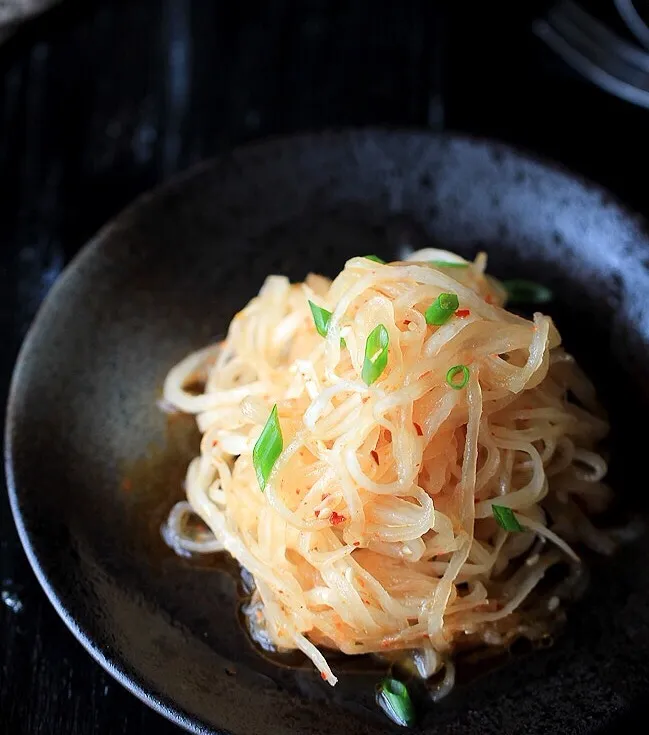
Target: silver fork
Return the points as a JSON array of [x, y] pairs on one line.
[[596, 52]]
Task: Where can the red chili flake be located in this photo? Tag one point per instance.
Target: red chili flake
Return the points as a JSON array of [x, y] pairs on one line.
[[385, 644], [336, 518], [406, 322], [463, 313], [375, 456], [356, 543], [323, 675], [418, 429], [317, 513], [488, 299], [388, 435], [324, 496]]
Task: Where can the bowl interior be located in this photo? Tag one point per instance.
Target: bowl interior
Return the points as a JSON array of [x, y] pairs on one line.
[[94, 465]]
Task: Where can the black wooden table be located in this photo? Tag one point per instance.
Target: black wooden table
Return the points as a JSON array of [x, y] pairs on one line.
[[100, 100]]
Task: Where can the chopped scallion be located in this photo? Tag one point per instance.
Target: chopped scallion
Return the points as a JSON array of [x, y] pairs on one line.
[[321, 319], [376, 354], [442, 309], [506, 518], [448, 264], [268, 448], [520, 291], [393, 698], [457, 371], [375, 258]]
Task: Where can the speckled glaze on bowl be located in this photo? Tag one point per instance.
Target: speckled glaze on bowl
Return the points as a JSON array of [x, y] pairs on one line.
[[93, 465]]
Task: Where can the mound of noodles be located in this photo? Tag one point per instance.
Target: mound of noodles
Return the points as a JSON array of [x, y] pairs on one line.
[[375, 531]]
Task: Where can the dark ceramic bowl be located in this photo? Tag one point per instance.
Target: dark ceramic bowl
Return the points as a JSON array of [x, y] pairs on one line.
[[93, 465]]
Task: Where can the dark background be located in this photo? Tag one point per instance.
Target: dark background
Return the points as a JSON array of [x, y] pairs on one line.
[[101, 100]]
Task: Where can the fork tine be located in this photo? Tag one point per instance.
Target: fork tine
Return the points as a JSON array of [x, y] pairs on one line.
[[583, 22], [571, 48], [598, 50], [634, 22]]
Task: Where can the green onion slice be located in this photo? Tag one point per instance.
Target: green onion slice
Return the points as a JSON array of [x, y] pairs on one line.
[[267, 449], [526, 292], [458, 371], [376, 354], [393, 698], [448, 264], [506, 518], [321, 319], [442, 309], [375, 258]]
